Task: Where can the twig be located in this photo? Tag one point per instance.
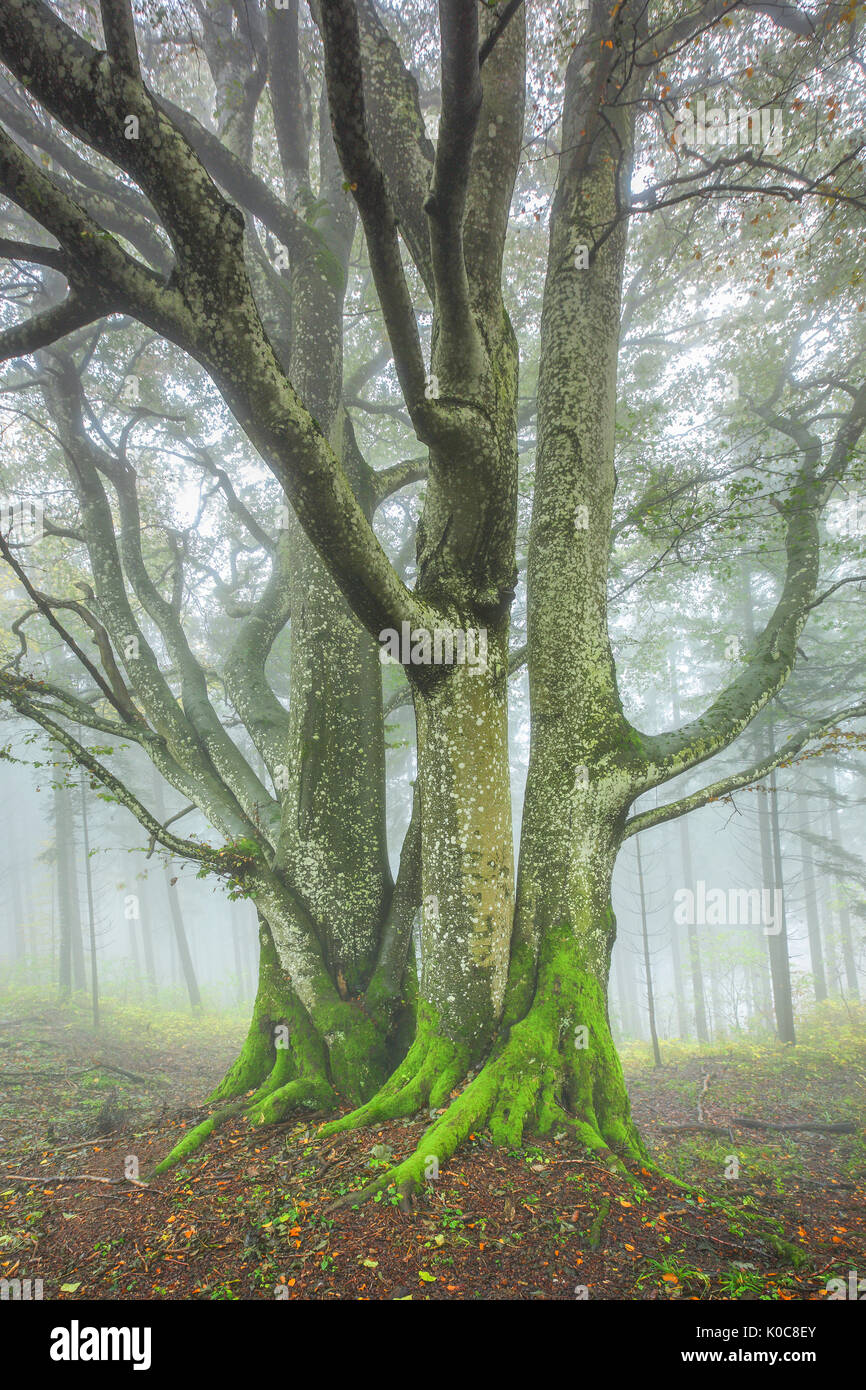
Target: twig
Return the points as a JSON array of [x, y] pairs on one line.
[[69, 1075], [694, 1129], [729, 1245], [78, 1177], [85, 1143], [843, 1127], [701, 1094]]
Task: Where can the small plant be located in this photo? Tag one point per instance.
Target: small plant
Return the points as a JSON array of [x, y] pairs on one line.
[[740, 1283], [223, 1292]]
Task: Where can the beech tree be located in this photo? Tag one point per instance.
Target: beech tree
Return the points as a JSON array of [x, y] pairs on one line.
[[133, 209]]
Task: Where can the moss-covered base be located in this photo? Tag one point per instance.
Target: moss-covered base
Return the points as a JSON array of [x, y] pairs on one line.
[[432, 1067], [290, 1061], [278, 1018], [555, 1070]]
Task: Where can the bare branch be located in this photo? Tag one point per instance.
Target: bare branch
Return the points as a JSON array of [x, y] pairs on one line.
[[446, 203], [49, 325], [387, 481], [13, 691], [118, 27], [37, 255], [779, 757], [341, 38], [499, 27]]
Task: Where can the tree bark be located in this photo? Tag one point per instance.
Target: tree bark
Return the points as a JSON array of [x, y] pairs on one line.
[[648, 975]]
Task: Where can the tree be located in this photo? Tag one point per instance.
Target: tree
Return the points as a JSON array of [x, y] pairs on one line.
[[514, 964]]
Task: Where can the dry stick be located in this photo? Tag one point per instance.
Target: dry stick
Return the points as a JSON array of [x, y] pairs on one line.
[[695, 1129], [79, 1177], [744, 1123], [84, 1143], [709, 1236], [702, 1093], [841, 1127], [68, 1075]]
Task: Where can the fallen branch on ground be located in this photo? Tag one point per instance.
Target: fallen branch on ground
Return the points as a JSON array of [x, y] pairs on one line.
[[70, 1075], [743, 1122], [67, 1177], [842, 1127]]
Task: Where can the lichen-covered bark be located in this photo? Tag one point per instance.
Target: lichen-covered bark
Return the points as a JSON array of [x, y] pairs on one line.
[[467, 855], [333, 811], [515, 982]]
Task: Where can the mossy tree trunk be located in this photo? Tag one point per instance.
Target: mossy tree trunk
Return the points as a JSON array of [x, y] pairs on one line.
[[512, 979]]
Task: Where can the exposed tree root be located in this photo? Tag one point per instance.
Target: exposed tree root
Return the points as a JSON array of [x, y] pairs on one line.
[[511, 1100], [279, 1030], [195, 1138], [432, 1067], [556, 1070], [288, 1063], [281, 1093], [269, 1106]]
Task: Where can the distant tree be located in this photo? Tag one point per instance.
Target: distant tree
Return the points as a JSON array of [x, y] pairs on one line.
[[156, 216]]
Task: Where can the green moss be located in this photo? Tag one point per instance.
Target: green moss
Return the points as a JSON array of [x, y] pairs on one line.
[[276, 1005], [538, 1077], [433, 1065]]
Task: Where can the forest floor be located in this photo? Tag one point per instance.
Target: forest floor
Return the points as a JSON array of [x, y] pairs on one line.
[[248, 1217]]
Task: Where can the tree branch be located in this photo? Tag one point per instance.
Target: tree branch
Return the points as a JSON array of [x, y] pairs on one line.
[[773, 656], [49, 325], [779, 757], [343, 74], [387, 481], [446, 203], [11, 690], [499, 27], [37, 255], [124, 708], [119, 30]]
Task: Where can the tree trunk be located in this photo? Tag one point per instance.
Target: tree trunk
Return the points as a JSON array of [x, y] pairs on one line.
[[240, 969], [719, 1027], [697, 970], [181, 941], [780, 965], [17, 933], [174, 911], [695, 966], [68, 906], [91, 915], [650, 998], [844, 914], [810, 902]]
